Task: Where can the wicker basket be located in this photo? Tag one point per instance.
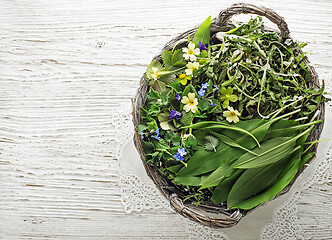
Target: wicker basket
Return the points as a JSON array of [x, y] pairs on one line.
[[208, 214]]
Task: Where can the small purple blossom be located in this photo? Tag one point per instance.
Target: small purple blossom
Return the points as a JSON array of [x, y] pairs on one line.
[[205, 85], [201, 92], [175, 114], [203, 46], [177, 97], [142, 134]]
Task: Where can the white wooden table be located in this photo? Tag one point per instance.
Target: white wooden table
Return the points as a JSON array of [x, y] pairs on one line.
[[66, 70]]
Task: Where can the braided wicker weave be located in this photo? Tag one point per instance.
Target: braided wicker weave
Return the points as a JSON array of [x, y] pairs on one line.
[[208, 214]]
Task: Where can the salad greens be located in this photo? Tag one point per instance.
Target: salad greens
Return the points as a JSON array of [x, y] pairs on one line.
[[227, 117]]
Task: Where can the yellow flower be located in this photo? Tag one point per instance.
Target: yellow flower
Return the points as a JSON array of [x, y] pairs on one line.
[[232, 115], [155, 73], [191, 67], [184, 78], [190, 52], [191, 102], [227, 96]]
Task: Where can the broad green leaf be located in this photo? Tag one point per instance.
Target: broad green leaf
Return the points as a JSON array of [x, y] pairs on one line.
[[167, 78], [203, 161], [218, 175], [154, 94], [253, 181], [187, 181], [175, 168], [284, 178], [221, 192], [189, 89], [203, 33], [306, 157], [177, 57], [167, 59], [187, 118], [203, 104], [271, 151], [220, 125], [231, 142], [149, 71]]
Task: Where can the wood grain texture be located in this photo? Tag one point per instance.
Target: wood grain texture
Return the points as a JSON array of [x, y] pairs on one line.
[[66, 68]]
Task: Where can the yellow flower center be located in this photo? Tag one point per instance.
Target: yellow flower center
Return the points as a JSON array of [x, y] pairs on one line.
[[233, 114], [156, 74], [191, 102], [182, 76], [190, 52]]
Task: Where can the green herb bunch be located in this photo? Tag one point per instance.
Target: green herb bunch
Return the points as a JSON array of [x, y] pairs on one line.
[[227, 117]]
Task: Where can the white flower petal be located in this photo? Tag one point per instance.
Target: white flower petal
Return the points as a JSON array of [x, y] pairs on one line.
[[185, 100], [186, 56], [191, 96], [186, 108], [197, 51], [196, 65], [188, 72], [189, 65], [230, 108], [236, 119], [194, 108], [195, 101], [229, 119], [192, 58], [191, 46], [185, 50]]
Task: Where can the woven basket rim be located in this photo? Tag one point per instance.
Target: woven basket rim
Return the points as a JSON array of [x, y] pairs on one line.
[[217, 216]]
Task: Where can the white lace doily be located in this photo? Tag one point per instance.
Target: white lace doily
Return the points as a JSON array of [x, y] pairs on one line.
[[288, 221]]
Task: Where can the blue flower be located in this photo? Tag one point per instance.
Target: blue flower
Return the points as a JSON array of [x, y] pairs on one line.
[[201, 92], [182, 151], [142, 134], [157, 135], [179, 155], [211, 103], [175, 114], [177, 97], [203, 46], [205, 85]]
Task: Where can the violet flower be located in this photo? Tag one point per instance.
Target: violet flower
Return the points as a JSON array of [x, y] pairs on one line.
[[177, 97], [175, 114], [203, 46]]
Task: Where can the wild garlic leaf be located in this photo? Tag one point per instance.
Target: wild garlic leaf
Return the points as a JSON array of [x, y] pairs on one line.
[[211, 143], [203, 33]]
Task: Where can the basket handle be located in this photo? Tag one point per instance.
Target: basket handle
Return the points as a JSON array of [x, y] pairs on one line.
[[246, 8]]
